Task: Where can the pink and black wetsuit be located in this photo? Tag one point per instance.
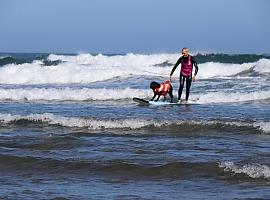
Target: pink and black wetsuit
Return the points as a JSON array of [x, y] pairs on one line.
[[185, 73]]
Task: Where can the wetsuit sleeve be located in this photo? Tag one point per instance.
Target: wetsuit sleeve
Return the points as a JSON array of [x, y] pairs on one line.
[[176, 65], [195, 65]]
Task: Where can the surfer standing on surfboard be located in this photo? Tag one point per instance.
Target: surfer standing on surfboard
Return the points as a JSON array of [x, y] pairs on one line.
[[187, 61]]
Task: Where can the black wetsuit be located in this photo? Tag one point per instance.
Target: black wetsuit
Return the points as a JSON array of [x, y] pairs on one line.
[[183, 78]]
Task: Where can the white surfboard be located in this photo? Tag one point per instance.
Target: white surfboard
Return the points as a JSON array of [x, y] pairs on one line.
[[159, 103]]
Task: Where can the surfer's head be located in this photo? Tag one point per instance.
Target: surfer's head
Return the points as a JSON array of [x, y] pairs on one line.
[[185, 51]]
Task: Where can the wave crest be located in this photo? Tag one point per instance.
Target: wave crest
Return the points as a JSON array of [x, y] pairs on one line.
[[86, 68], [103, 94], [132, 123], [226, 97], [69, 94], [251, 170]]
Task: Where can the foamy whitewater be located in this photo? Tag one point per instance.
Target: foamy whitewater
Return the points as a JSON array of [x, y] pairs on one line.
[[88, 69], [251, 170], [70, 129]]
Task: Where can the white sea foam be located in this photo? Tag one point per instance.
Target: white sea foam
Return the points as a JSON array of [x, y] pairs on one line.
[[251, 170], [86, 68], [263, 66], [36, 73], [90, 123], [133, 123], [132, 60], [213, 69], [263, 126], [84, 94], [227, 97], [69, 94]]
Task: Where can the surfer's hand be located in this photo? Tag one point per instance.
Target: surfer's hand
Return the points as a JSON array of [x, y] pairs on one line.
[[194, 78]]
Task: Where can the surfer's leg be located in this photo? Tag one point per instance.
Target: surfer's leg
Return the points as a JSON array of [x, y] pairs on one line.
[[181, 80], [171, 94], [188, 85]]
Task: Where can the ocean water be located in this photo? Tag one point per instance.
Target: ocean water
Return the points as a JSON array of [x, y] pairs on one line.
[[70, 130]]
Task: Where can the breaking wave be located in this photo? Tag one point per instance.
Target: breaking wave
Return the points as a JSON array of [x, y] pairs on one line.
[[133, 123], [86, 68], [69, 94], [251, 170], [227, 97], [102, 94]]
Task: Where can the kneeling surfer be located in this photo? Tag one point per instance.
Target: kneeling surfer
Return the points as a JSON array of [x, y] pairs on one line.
[[187, 61]]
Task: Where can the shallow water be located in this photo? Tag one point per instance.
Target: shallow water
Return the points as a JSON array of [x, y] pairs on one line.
[[64, 136]]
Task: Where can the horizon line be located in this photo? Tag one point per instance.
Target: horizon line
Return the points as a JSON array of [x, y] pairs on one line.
[[202, 52]]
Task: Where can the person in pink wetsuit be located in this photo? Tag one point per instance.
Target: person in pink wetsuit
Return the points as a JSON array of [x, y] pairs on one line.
[[187, 61]]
